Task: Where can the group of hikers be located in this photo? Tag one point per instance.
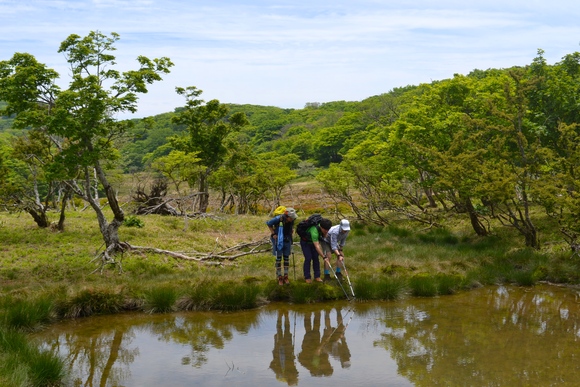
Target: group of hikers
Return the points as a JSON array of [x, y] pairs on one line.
[[318, 238]]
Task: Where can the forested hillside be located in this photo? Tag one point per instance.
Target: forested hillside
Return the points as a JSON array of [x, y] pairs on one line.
[[496, 146], [316, 134]]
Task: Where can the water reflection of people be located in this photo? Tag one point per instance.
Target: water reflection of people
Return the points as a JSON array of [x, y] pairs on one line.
[[336, 344], [312, 357], [283, 363]]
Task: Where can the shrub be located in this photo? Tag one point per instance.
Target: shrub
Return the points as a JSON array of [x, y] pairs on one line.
[[133, 221]]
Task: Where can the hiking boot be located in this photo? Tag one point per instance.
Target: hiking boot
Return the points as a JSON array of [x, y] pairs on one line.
[[286, 280], [327, 278], [308, 281], [318, 279], [339, 275], [280, 280]]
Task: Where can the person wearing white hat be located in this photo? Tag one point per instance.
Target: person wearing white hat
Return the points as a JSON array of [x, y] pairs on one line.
[[335, 240]]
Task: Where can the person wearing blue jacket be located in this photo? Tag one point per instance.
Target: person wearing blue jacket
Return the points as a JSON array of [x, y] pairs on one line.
[[281, 233]]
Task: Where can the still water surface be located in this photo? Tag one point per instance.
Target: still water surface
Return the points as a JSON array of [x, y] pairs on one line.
[[493, 336]]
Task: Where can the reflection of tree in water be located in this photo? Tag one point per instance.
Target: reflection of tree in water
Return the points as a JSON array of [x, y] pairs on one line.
[[201, 332], [104, 356], [506, 338], [283, 362], [102, 359]]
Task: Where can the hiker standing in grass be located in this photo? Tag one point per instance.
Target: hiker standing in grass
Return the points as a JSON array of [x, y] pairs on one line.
[[282, 226], [311, 248], [333, 243]]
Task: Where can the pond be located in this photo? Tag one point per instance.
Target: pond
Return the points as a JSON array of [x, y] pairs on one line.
[[492, 336]]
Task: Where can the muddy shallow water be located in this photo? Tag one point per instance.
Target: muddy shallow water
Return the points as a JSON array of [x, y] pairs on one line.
[[493, 336]]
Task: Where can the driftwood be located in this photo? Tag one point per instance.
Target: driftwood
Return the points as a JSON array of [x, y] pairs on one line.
[[217, 258]]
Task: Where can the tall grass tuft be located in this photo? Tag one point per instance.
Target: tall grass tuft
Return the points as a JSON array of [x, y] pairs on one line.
[[160, 299], [365, 289], [232, 296], [27, 315], [390, 288], [13, 372], [45, 369], [24, 364], [449, 283], [423, 285], [197, 296], [90, 302], [12, 341], [524, 277], [304, 293]]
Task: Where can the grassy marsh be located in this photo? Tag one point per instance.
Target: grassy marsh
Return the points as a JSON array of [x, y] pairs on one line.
[[46, 276]]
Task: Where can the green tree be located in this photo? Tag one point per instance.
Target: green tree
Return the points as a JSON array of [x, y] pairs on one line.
[[209, 126], [179, 168], [80, 120]]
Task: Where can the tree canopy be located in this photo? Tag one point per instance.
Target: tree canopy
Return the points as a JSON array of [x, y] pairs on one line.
[[490, 145]]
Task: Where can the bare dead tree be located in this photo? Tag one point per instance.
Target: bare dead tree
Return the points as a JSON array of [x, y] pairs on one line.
[[155, 202]]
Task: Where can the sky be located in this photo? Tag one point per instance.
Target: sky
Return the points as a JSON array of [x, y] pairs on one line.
[[289, 53]]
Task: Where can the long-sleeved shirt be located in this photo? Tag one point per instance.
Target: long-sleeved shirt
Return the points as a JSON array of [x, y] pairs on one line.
[[335, 238], [288, 226]]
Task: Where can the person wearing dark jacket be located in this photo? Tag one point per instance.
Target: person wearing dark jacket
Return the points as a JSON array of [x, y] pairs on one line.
[[312, 249], [286, 221]]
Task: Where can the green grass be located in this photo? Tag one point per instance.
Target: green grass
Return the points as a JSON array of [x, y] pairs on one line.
[[26, 314], [46, 275], [93, 301], [160, 299], [423, 285], [23, 364]]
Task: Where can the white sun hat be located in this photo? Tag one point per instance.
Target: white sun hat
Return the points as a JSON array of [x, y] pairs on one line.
[[344, 225]]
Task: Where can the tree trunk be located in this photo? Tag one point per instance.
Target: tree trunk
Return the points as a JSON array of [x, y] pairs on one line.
[[39, 217], [204, 192], [109, 231], [478, 227], [64, 200], [427, 190]]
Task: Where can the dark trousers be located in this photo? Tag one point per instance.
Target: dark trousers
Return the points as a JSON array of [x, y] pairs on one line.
[[310, 256]]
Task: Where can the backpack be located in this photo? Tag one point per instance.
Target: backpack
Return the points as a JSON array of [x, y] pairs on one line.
[[313, 220]]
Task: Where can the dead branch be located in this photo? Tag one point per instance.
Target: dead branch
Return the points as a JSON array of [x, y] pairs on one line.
[[214, 257]]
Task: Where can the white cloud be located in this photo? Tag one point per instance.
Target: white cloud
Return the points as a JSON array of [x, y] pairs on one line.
[[287, 53]]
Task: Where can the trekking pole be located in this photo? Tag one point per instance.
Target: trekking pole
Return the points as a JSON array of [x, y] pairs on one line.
[[294, 264], [335, 276], [338, 325], [347, 278]]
